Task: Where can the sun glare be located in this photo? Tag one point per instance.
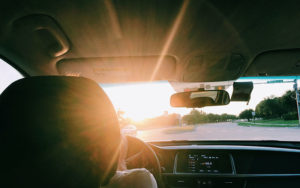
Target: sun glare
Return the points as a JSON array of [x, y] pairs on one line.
[[142, 100]]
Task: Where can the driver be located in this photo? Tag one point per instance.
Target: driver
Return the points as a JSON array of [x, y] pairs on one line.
[[133, 178]]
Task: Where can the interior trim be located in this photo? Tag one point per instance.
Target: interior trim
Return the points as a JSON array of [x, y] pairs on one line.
[[228, 175], [228, 147]]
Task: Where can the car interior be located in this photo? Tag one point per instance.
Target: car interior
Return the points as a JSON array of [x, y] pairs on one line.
[[59, 127]]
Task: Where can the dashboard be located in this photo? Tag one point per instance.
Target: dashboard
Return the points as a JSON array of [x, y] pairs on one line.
[[228, 166]]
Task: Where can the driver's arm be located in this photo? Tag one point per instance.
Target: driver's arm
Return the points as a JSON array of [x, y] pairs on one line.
[[135, 178]]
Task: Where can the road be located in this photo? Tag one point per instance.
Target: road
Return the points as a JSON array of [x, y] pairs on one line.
[[224, 131]]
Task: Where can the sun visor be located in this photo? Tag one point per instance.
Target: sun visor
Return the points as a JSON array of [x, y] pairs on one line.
[[212, 67], [121, 69], [275, 63]]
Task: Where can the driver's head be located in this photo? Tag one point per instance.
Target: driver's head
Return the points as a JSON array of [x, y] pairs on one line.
[[57, 132]]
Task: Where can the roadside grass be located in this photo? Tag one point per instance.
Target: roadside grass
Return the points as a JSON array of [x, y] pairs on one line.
[[174, 130], [278, 121], [271, 123]]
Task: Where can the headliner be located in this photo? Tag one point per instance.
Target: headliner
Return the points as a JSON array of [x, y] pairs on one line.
[[209, 40]]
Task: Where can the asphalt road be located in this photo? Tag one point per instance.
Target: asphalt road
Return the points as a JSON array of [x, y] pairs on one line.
[[224, 131]]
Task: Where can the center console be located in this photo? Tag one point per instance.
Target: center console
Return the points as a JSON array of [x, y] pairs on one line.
[[203, 163], [203, 169]]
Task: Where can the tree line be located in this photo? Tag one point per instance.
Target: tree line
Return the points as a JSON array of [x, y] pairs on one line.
[[196, 117], [283, 107]]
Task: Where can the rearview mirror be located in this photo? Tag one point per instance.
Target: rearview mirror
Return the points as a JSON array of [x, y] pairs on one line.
[[198, 99]]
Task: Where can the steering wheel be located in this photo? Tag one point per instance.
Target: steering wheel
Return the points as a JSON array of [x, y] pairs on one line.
[[141, 155]]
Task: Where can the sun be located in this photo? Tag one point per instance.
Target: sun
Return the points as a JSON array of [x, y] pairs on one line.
[[140, 100]]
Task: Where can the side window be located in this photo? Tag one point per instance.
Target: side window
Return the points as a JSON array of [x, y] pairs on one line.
[[8, 75]]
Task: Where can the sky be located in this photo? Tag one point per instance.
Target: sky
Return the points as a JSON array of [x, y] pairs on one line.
[[7, 75], [147, 100]]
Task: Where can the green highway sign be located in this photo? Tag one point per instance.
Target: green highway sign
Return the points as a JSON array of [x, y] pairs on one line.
[[274, 81]]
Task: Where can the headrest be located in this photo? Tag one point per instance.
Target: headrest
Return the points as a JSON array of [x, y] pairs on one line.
[[57, 131]]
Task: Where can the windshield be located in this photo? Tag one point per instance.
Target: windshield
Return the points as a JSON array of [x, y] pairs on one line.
[[271, 113]]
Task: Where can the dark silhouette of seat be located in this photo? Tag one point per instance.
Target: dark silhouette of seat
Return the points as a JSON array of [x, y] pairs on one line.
[[57, 131]]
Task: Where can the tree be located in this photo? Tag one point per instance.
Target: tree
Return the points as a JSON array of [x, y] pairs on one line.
[[278, 107], [213, 117], [227, 117], [289, 102], [270, 108], [246, 114], [196, 117]]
